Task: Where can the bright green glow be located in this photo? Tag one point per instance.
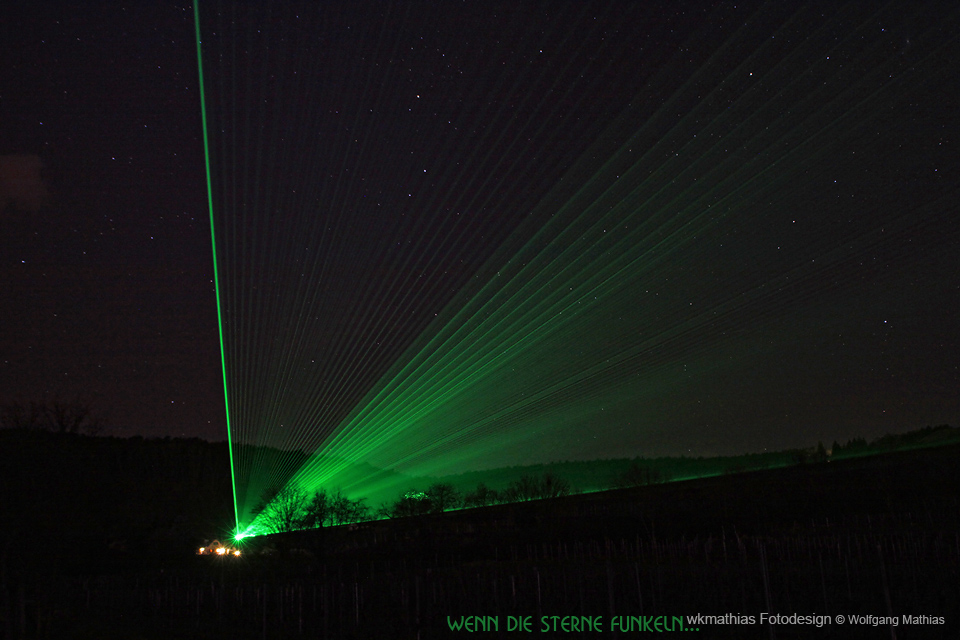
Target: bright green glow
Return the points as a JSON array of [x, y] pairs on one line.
[[620, 294], [250, 532], [213, 245], [551, 339]]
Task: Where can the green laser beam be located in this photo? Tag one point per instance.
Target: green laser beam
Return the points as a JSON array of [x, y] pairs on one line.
[[213, 246]]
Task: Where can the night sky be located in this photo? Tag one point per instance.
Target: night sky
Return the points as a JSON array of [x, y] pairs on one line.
[[416, 149], [107, 291]]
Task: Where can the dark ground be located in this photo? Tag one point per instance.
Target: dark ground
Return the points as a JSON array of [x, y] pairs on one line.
[[876, 536]]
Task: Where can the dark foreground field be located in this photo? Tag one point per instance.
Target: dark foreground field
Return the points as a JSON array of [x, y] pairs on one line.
[[874, 536]]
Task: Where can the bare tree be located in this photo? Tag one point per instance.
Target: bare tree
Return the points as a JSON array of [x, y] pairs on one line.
[[317, 513], [359, 510], [530, 487], [284, 509], [553, 486], [637, 476], [443, 496], [21, 415], [526, 488], [411, 503], [343, 510], [481, 497], [58, 415], [66, 417]]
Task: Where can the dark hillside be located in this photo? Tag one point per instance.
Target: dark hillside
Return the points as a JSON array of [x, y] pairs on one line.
[[87, 556]]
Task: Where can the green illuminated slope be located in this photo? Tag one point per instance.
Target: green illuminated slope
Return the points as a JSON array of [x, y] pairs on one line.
[[427, 267]]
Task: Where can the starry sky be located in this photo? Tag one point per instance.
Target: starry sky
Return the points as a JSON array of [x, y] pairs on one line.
[[107, 279], [464, 123]]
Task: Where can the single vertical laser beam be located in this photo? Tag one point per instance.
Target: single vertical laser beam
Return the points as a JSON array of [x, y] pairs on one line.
[[213, 244]]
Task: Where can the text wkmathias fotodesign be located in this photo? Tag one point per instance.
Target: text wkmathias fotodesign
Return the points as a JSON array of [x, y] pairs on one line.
[[673, 623]]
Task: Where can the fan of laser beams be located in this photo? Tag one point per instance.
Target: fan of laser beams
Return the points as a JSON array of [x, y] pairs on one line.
[[548, 333], [469, 343], [302, 343]]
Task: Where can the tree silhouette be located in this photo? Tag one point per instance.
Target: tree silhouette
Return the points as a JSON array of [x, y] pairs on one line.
[[443, 496], [318, 510], [284, 509], [343, 510], [481, 497], [553, 486], [22, 415], [821, 453], [530, 487], [57, 415], [638, 476], [411, 503]]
